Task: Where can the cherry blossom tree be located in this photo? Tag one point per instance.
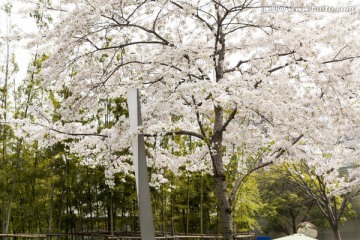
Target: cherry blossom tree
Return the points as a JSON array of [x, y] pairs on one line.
[[226, 73], [332, 197]]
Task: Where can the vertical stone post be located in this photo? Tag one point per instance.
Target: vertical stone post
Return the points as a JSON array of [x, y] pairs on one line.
[[141, 173]]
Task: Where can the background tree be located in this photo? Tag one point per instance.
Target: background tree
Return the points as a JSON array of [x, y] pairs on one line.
[[334, 207], [247, 207], [221, 71], [285, 205], [10, 146]]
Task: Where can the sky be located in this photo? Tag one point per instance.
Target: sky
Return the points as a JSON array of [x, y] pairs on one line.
[[23, 25], [26, 25]]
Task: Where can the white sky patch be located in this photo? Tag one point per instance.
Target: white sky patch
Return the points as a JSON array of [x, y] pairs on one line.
[[21, 27]]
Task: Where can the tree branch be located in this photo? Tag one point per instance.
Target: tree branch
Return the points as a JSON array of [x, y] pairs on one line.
[[340, 60], [230, 118], [195, 15], [198, 120], [180, 132], [71, 134], [241, 179]]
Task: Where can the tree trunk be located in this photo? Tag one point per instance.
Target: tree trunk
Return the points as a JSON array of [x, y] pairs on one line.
[[134, 223], [224, 207], [111, 214], [90, 202], [187, 205], [220, 177], [67, 187], [14, 182], [60, 210], [172, 210], [97, 208], [201, 204], [33, 191], [4, 222], [216, 140], [293, 222], [51, 208], [336, 231], [333, 216], [8, 215], [155, 207], [163, 209]]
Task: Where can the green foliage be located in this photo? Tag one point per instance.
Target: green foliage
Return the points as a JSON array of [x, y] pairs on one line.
[[7, 8], [247, 206], [30, 91], [42, 20], [286, 205], [185, 204]]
